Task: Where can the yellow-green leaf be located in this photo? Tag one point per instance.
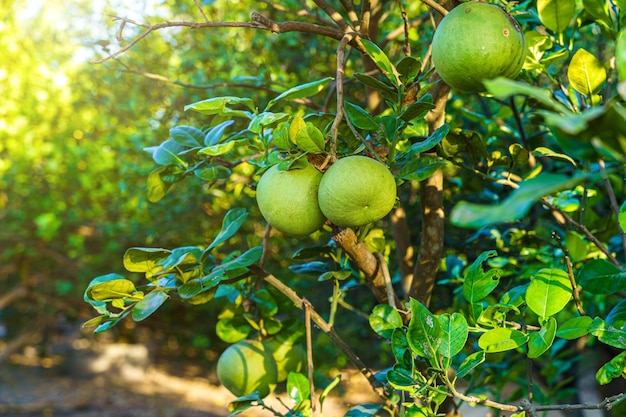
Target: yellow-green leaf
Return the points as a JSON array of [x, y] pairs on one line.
[[586, 74]]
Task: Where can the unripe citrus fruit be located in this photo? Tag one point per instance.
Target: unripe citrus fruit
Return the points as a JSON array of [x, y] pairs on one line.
[[477, 41], [288, 199], [356, 190], [247, 366], [289, 357]]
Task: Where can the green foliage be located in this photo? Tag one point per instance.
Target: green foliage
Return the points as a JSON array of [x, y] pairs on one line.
[[134, 169]]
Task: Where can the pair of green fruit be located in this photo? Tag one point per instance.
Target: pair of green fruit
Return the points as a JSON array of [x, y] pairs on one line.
[[477, 41], [354, 191], [251, 365]]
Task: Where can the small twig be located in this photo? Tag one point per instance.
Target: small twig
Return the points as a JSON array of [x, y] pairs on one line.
[[206, 19], [436, 6], [309, 352], [333, 14], [349, 8], [407, 44], [583, 230], [570, 273], [334, 129], [366, 16], [326, 328]]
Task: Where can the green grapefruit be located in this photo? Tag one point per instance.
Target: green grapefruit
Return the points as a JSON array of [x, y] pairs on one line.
[[289, 357], [247, 366], [288, 199], [356, 190], [477, 41]]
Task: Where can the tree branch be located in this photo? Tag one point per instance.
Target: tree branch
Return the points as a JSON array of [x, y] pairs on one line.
[[325, 327]]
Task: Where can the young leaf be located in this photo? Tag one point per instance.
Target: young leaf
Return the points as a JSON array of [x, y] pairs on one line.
[[549, 292], [515, 206], [328, 388], [424, 331], [614, 368], [574, 328], [144, 260], [300, 91], [479, 283], [310, 139], [233, 220], [454, 331], [381, 60], [471, 362], [360, 118], [539, 342], [384, 320], [586, 73], [187, 135], [556, 15], [608, 334], [600, 276], [223, 106], [501, 339], [214, 136], [219, 149], [298, 387], [149, 304]]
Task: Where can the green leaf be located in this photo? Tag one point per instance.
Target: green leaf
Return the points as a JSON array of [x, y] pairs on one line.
[[190, 289], [384, 320], [300, 91], [111, 289], [503, 88], [360, 118], [187, 136], [430, 142], [600, 276], [574, 328], [167, 153], [186, 255], [265, 302], [615, 368], [545, 152], [266, 120], [586, 74], [549, 292], [424, 333], [212, 172], [241, 404], [608, 334], [145, 260], [471, 362], [454, 331], [418, 169], [298, 387], [515, 206], [501, 339], [375, 83], [400, 346], [556, 15], [149, 304], [219, 149], [310, 139], [417, 110], [479, 283], [401, 378], [539, 342], [156, 187], [215, 134], [381, 60], [364, 410], [223, 106], [409, 66], [617, 315], [233, 220]]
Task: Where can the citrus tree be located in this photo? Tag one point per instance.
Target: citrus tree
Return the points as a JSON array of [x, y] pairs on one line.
[[452, 192]]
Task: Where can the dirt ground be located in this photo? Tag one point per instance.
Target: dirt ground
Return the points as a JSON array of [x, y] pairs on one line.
[[119, 382]]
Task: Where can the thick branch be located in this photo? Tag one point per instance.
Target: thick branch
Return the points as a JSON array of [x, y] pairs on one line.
[[365, 261]]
